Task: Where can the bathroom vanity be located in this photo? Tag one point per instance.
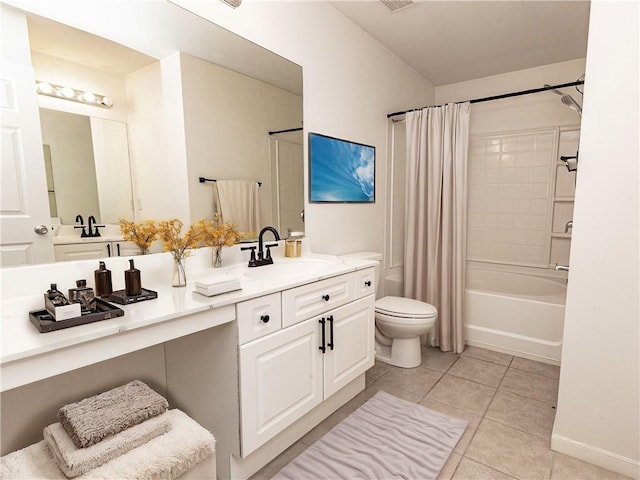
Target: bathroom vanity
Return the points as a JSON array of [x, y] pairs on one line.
[[259, 367]]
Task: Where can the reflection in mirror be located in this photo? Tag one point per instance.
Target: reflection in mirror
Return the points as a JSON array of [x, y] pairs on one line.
[[186, 106], [87, 165]]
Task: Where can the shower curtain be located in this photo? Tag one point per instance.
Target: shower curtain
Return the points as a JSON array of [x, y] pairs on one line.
[[435, 216]]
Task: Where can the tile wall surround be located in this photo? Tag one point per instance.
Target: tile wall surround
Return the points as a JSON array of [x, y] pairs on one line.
[[519, 197]]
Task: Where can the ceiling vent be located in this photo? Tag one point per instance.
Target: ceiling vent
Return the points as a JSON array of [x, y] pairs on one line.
[[397, 5]]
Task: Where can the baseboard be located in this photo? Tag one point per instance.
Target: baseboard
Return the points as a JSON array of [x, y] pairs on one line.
[[596, 456]]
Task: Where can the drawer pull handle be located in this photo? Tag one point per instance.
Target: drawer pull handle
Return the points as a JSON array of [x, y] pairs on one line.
[[326, 298], [322, 347], [367, 283], [330, 344], [264, 318]]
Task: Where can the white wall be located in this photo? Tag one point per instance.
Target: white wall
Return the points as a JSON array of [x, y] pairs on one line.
[[598, 416], [350, 84], [227, 120]]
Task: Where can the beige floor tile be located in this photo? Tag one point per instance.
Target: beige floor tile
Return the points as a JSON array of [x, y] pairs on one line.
[[479, 371], [531, 366], [450, 467], [531, 385], [488, 355], [510, 451], [415, 380], [473, 421], [278, 463], [471, 470], [435, 359], [464, 394], [523, 413], [375, 372], [569, 468]]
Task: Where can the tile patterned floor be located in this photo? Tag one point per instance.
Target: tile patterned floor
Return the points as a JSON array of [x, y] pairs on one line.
[[508, 401]]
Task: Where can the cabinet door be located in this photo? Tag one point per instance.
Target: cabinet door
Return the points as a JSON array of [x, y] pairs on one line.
[[280, 380], [80, 251], [353, 344]]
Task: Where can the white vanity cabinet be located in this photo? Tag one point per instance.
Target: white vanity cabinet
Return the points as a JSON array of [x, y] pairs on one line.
[[286, 374], [93, 250]]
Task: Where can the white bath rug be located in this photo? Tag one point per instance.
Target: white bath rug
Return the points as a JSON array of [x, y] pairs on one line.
[[385, 438]]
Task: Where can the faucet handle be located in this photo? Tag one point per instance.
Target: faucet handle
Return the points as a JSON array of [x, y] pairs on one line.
[[252, 260], [268, 255], [96, 233]]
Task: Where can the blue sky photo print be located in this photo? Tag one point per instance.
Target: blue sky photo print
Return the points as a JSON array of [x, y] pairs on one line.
[[340, 171]]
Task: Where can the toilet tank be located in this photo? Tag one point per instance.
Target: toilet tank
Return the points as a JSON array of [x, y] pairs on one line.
[[370, 256]]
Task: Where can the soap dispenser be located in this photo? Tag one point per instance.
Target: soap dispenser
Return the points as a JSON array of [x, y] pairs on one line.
[[103, 281], [132, 283]]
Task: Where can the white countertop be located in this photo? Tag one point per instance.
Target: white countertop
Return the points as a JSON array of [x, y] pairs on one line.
[[22, 342]]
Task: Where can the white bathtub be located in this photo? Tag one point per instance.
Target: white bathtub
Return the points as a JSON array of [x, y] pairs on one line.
[[515, 313]]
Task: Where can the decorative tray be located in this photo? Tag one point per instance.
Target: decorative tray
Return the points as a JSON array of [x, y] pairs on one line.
[[44, 321], [119, 296]]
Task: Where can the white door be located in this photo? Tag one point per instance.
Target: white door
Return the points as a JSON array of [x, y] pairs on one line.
[[25, 223], [350, 343], [280, 381]]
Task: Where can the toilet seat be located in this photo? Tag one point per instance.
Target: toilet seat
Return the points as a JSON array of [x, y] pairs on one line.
[[405, 308]]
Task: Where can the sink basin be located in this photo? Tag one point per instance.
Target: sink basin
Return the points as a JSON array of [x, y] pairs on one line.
[[295, 268]]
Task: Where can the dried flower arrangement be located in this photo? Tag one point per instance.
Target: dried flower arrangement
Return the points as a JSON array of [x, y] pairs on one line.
[[143, 234], [216, 234], [170, 232]]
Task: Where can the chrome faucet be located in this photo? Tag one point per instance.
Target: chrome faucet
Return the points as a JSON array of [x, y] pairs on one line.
[[568, 226], [564, 268], [262, 257]]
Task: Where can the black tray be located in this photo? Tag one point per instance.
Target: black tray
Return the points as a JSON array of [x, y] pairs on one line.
[[119, 296], [44, 322]]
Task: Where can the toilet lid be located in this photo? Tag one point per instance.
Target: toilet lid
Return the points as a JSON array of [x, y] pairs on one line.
[[405, 307]]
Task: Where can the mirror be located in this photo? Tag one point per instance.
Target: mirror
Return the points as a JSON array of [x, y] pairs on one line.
[[224, 128], [87, 164]]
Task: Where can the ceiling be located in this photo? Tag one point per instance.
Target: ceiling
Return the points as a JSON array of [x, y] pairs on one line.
[[454, 41]]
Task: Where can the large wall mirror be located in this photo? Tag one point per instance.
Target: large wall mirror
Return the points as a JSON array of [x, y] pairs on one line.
[[220, 94]]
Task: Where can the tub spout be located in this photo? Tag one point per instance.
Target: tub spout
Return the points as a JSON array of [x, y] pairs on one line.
[[568, 226], [564, 268]]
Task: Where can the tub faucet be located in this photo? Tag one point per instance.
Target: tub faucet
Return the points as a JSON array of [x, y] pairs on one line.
[[568, 226], [564, 268]]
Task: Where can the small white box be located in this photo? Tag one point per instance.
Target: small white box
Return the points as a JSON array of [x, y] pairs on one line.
[[67, 311], [217, 285]]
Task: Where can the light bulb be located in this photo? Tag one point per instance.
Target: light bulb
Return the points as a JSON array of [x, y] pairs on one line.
[[106, 101], [88, 97], [67, 92], [44, 87]]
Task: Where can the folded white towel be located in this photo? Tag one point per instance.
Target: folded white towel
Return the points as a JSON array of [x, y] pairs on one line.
[[74, 461], [165, 457]]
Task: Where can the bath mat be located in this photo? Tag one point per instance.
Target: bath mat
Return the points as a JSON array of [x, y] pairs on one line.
[[385, 438], [166, 457], [90, 420]]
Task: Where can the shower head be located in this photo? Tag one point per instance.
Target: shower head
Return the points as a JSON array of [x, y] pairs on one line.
[[572, 104]]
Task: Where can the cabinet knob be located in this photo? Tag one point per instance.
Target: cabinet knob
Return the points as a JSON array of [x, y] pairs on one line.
[[264, 318], [367, 283], [326, 298]]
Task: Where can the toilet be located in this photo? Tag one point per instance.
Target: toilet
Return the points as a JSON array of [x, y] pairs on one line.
[[400, 322]]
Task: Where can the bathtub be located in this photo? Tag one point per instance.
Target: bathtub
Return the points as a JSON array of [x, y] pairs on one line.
[[515, 313]]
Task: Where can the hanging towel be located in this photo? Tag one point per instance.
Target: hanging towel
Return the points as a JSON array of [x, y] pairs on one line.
[[74, 461], [239, 203], [92, 419]]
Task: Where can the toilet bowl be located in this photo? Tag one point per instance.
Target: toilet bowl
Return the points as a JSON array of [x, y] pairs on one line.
[[400, 322]]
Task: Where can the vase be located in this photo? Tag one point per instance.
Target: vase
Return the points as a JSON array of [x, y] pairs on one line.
[[216, 256], [143, 250], [179, 278]]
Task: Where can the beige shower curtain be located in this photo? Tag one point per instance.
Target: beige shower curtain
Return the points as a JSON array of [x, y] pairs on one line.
[[436, 216]]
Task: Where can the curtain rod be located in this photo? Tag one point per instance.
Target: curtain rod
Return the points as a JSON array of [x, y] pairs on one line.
[[286, 131], [498, 97], [202, 180]]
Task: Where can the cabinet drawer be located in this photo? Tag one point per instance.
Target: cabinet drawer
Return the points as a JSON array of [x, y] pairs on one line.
[[259, 317], [315, 298], [365, 282]]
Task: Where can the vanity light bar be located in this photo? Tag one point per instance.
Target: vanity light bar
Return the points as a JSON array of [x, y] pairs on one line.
[[68, 93]]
